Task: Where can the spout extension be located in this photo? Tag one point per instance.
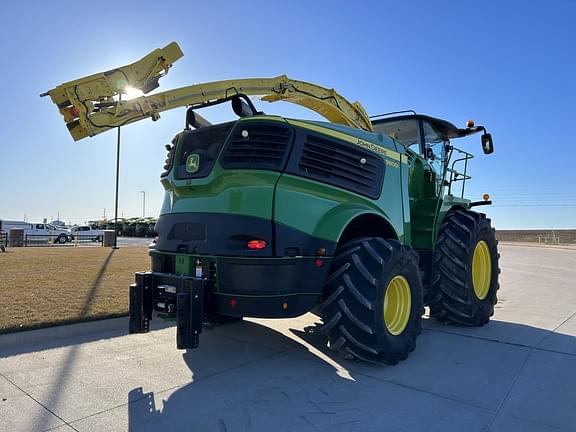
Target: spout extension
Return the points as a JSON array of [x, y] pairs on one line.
[[77, 100]]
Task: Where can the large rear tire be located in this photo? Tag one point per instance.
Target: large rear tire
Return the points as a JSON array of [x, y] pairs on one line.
[[465, 278], [372, 306]]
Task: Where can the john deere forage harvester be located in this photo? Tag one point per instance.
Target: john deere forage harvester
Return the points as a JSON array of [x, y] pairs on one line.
[[356, 219]]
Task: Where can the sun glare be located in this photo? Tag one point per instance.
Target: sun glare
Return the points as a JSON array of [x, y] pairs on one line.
[[131, 93]]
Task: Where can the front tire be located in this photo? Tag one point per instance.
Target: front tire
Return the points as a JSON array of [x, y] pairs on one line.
[[373, 301], [465, 279]]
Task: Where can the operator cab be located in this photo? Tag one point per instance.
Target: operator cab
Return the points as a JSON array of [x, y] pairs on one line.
[[419, 133], [430, 138], [422, 134]]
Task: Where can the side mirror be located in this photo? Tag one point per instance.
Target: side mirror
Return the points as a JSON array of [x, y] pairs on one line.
[[487, 143]]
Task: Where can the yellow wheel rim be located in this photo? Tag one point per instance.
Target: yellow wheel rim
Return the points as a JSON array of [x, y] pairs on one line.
[[397, 305], [481, 270]]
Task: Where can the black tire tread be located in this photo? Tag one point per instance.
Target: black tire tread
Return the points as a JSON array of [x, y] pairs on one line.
[[453, 299], [352, 315]]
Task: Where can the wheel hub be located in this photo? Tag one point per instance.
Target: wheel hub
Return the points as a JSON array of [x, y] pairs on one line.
[[397, 305], [481, 270]]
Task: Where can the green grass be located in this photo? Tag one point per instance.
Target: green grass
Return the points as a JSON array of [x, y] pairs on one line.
[[49, 286]]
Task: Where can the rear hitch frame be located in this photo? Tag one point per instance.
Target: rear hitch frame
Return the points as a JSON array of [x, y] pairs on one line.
[[191, 304]]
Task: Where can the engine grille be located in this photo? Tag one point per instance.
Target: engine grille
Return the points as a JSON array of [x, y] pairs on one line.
[[257, 146], [341, 164]]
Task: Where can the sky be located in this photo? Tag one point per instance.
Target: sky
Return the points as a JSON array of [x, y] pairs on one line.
[[510, 66]]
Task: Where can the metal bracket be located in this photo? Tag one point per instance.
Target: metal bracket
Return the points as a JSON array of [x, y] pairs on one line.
[[480, 203], [141, 301], [189, 313]]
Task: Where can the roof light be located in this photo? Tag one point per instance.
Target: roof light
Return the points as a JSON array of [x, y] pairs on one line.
[[256, 244]]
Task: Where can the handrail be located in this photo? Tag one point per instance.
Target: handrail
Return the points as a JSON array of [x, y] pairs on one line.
[[455, 175]]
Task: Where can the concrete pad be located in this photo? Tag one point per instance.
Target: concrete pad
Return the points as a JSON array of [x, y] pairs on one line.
[[67, 335], [473, 371], [285, 393], [79, 380], [537, 286], [544, 392], [64, 428], [563, 339], [517, 373], [536, 296], [544, 401], [505, 423], [498, 331], [445, 364], [52, 336], [19, 412]]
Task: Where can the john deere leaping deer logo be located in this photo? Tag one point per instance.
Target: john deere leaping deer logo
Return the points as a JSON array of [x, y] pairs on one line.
[[193, 163]]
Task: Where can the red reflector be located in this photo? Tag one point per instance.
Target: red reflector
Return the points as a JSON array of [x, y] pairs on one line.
[[233, 303], [319, 263], [256, 244]]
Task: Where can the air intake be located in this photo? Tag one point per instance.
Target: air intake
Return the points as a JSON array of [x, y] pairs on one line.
[[341, 164], [257, 146]]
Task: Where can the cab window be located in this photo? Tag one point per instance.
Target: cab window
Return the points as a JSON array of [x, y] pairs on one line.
[[407, 132], [434, 145]]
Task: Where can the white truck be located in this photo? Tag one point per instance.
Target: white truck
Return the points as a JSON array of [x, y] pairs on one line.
[[86, 232], [38, 232]]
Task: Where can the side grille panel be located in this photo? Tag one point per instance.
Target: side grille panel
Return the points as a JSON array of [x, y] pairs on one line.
[[257, 146], [276, 147], [340, 164]]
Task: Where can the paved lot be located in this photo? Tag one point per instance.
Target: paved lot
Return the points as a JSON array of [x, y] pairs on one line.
[[516, 374], [133, 241]]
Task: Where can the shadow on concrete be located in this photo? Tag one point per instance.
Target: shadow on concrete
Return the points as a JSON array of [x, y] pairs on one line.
[[509, 333], [302, 385], [61, 336], [204, 405]]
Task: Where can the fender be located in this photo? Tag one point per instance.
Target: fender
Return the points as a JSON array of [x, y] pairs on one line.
[[447, 205], [337, 220]]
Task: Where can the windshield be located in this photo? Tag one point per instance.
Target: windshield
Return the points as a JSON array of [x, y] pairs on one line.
[[407, 132]]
